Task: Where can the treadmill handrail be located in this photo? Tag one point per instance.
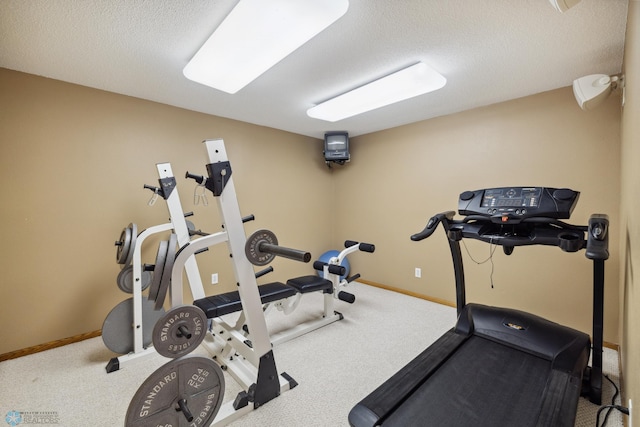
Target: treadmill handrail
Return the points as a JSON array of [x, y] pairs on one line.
[[448, 221], [432, 224]]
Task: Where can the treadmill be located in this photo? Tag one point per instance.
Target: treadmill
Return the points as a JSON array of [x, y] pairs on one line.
[[500, 366]]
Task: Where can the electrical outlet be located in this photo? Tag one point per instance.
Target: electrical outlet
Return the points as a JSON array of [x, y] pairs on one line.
[[214, 278], [630, 424], [418, 272]]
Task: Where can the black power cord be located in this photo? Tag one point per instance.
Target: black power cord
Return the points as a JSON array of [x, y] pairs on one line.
[[620, 408]]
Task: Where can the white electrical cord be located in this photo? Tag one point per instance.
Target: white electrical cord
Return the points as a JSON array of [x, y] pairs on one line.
[[200, 196], [492, 249]]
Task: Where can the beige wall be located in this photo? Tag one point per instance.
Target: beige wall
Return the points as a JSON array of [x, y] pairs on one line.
[[630, 223], [73, 162], [400, 177]]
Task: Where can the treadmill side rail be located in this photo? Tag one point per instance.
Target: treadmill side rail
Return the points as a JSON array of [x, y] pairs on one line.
[[370, 411]]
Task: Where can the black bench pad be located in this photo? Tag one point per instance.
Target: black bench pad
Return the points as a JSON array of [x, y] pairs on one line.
[[307, 284], [221, 304]]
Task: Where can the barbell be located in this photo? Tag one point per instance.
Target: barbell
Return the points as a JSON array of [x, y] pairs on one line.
[[262, 247]]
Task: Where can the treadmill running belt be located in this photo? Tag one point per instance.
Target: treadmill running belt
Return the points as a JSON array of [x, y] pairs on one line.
[[482, 384]]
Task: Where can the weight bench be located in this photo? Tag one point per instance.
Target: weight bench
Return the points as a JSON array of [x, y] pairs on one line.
[[227, 303]]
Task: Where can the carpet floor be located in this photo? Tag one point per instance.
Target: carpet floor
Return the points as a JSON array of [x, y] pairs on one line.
[[335, 367]]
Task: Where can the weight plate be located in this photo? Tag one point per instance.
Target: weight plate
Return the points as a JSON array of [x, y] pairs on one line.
[[184, 392], [132, 244], [122, 245], [167, 268], [252, 247], [117, 329], [157, 270], [179, 331], [124, 251], [125, 279]]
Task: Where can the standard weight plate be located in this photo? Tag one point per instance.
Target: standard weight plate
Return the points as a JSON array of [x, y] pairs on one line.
[[125, 279], [157, 270], [126, 243], [122, 245], [117, 329], [167, 268], [179, 331], [252, 247], [184, 392]]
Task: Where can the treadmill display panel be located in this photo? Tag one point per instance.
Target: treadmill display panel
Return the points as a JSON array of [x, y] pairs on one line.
[[511, 197], [513, 204]]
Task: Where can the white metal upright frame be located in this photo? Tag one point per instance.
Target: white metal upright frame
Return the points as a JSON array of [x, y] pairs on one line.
[[178, 225], [250, 363]]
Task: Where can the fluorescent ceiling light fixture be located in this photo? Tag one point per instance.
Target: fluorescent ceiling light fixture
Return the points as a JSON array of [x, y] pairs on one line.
[[415, 80], [563, 5], [256, 35]]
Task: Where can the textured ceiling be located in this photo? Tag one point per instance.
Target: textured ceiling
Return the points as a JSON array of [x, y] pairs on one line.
[[489, 50]]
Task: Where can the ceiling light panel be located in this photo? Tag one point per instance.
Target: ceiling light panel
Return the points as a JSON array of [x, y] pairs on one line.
[[415, 80], [256, 35]]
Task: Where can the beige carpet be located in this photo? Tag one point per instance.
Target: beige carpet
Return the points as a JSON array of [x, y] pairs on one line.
[[335, 366]]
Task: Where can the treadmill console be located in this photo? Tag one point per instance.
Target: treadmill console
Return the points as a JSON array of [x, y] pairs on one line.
[[513, 204]]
